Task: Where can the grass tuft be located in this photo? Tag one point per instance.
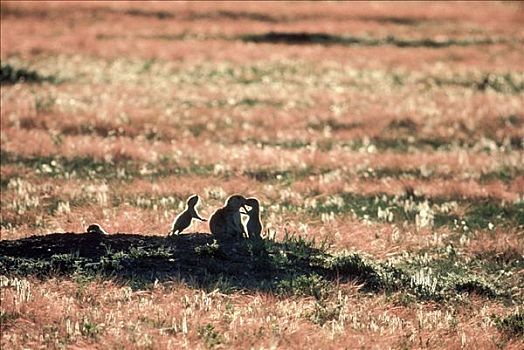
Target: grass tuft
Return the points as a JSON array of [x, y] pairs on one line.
[[512, 325]]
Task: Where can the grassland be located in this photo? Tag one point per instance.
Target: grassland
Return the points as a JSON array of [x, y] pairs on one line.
[[385, 142]]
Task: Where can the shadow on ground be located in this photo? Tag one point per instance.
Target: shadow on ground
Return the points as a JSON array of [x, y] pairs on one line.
[[195, 258], [292, 266]]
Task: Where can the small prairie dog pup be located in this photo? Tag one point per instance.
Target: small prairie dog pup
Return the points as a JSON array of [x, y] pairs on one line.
[[183, 220], [97, 229], [253, 226], [225, 222]]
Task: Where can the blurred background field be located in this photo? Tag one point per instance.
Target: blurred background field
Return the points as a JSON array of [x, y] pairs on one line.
[[394, 131]]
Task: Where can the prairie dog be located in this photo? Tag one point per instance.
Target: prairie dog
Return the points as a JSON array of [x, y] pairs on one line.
[[97, 229], [253, 226], [183, 220], [225, 222]]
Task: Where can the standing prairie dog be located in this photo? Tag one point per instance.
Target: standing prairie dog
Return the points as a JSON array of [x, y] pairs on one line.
[[225, 222], [253, 226], [183, 220]]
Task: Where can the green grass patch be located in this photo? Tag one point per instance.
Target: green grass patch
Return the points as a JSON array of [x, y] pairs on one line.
[[512, 325], [400, 144], [334, 125], [285, 176], [211, 337], [482, 214], [405, 21], [149, 13], [90, 168], [419, 210], [511, 83], [329, 39], [304, 285], [504, 174], [12, 75]]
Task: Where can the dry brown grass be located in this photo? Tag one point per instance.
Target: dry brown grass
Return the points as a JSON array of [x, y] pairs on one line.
[[173, 316]]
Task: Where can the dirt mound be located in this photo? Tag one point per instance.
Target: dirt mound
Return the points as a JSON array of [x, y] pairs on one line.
[[195, 258], [93, 245]]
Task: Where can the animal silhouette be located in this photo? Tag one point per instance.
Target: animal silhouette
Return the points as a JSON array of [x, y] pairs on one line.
[[253, 225], [225, 222], [96, 229], [183, 220]]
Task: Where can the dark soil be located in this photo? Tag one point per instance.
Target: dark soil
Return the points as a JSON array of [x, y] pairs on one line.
[[194, 258]]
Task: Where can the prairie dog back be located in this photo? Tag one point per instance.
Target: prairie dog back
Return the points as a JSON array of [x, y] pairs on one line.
[[225, 222]]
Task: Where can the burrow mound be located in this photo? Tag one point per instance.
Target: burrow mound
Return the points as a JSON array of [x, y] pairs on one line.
[[195, 258], [291, 266]]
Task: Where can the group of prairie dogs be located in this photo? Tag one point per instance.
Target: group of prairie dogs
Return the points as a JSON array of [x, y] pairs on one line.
[[225, 223]]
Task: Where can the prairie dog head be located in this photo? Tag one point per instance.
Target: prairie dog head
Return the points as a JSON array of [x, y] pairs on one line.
[[96, 228], [235, 202], [192, 201], [253, 203]]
